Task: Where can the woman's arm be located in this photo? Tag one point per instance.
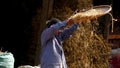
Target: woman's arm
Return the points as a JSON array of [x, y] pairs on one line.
[[50, 32], [68, 32]]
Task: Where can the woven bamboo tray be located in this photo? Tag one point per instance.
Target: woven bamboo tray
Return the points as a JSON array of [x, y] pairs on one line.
[[92, 13]]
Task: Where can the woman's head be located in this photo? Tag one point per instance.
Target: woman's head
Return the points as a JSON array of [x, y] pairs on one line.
[[52, 21]]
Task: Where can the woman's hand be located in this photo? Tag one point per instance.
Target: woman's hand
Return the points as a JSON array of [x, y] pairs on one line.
[[70, 22]]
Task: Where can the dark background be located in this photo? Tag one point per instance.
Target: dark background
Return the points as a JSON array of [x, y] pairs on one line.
[[16, 23]]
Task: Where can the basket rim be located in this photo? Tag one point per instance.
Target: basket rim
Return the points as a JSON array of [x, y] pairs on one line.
[[104, 6]]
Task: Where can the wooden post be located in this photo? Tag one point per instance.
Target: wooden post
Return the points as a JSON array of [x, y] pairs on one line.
[[108, 20], [105, 22], [45, 14]]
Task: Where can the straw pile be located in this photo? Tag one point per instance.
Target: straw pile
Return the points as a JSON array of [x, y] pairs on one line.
[[86, 48]]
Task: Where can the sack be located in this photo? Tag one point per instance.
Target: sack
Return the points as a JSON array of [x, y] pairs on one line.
[[6, 60]]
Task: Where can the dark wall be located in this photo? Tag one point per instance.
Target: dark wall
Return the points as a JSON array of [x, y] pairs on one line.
[[16, 27], [102, 2], [116, 8]]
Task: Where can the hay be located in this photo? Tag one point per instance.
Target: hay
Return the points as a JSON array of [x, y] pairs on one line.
[[86, 48]]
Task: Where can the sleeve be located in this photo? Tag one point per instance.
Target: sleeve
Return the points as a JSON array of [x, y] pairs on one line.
[[50, 32], [68, 32]]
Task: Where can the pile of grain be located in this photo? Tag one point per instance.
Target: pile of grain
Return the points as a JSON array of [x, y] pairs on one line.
[[86, 48]]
